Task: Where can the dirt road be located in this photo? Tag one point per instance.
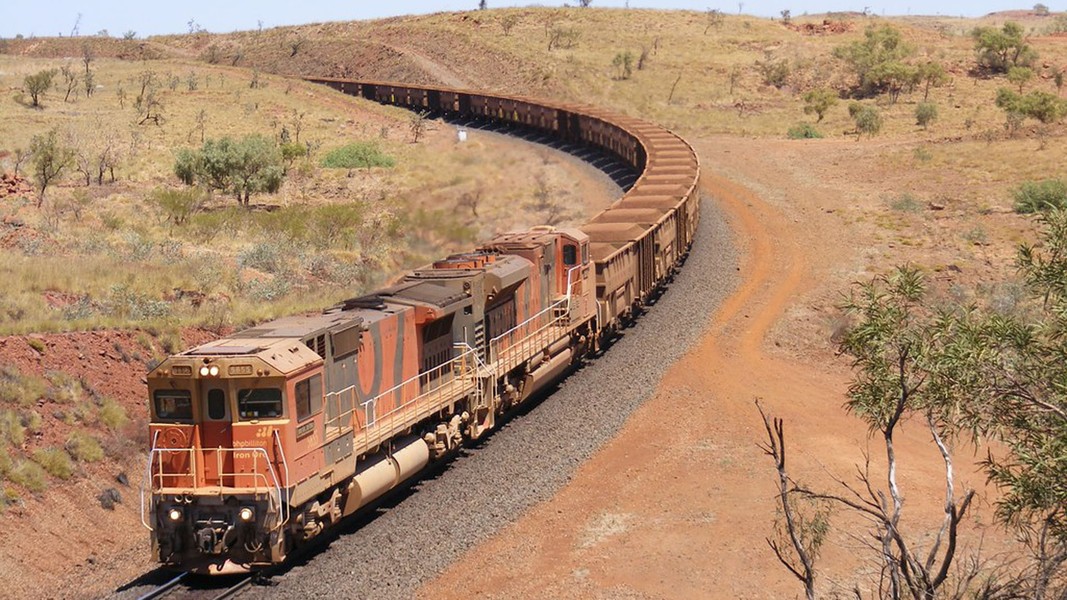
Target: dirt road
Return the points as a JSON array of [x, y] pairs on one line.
[[680, 503]]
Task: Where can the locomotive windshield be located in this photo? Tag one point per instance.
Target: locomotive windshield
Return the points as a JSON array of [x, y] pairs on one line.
[[259, 403], [173, 405]]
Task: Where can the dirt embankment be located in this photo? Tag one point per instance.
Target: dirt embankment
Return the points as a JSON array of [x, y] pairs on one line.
[[63, 543]]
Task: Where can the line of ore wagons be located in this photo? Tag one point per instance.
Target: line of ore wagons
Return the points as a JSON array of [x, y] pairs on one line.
[[636, 242]]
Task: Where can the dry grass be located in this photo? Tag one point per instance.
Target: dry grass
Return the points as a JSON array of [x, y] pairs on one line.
[[136, 268]]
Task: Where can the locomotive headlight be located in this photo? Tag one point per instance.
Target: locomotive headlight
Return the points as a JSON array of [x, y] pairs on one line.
[[213, 371], [204, 371], [175, 514], [246, 514]]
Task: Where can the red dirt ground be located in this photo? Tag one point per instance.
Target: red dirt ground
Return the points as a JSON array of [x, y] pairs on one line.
[[680, 503]]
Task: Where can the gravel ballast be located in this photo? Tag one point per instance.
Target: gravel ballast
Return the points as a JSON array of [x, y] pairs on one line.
[[529, 458]]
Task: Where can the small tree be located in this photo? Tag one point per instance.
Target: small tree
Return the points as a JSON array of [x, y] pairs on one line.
[[925, 114], [584, 3], [50, 159], [70, 78], [148, 104], [735, 77], [931, 74], [88, 56], [418, 125], [867, 118], [798, 536], [508, 22], [1000, 49], [178, 205], [292, 151], [1041, 10], [774, 72], [787, 16], [1043, 106], [482, 5], [878, 61], [242, 167], [819, 101], [624, 64], [37, 84], [1020, 76], [715, 19]]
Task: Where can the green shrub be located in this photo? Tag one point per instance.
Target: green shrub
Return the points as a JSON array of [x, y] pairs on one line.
[[267, 290], [803, 131], [36, 344], [54, 461], [774, 72], [84, 447], [178, 205], [29, 475], [819, 101], [1043, 106], [359, 155], [905, 202], [334, 224], [268, 257], [127, 303], [112, 415], [868, 119], [925, 114], [1039, 196]]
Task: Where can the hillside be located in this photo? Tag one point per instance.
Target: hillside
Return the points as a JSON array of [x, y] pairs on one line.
[[79, 339]]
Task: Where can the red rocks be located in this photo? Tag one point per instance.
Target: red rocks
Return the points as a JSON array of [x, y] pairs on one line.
[[14, 185]]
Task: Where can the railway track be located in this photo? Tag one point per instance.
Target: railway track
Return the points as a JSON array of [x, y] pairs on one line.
[[185, 586]]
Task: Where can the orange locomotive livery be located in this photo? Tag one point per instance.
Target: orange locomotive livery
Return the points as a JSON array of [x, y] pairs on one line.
[[262, 440]]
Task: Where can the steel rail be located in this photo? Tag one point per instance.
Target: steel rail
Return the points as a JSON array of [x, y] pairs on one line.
[[163, 589]]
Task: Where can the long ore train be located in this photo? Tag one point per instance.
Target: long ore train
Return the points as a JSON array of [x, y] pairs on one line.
[[263, 439]]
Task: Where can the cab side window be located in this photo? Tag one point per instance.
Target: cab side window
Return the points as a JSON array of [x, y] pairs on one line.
[[259, 403], [570, 255], [308, 397]]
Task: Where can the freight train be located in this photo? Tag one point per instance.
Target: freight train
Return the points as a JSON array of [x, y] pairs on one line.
[[262, 440]]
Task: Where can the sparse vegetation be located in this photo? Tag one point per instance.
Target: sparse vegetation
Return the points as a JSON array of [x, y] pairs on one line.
[[179, 204], [37, 84], [925, 114], [624, 65], [29, 475], [1041, 196], [112, 415], [867, 118], [803, 131], [1000, 49], [19, 389], [250, 165], [50, 159], [879, 61], [819, 101], [55, 462], [359, 155], [83, 447], [1042, 106]]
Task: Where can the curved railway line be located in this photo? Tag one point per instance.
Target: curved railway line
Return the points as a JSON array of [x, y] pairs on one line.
[[223, 499]]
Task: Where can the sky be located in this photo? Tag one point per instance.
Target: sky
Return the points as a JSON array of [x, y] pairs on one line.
[[154, 17]]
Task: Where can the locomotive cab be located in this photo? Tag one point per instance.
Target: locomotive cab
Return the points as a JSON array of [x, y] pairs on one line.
[[217, 471]]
